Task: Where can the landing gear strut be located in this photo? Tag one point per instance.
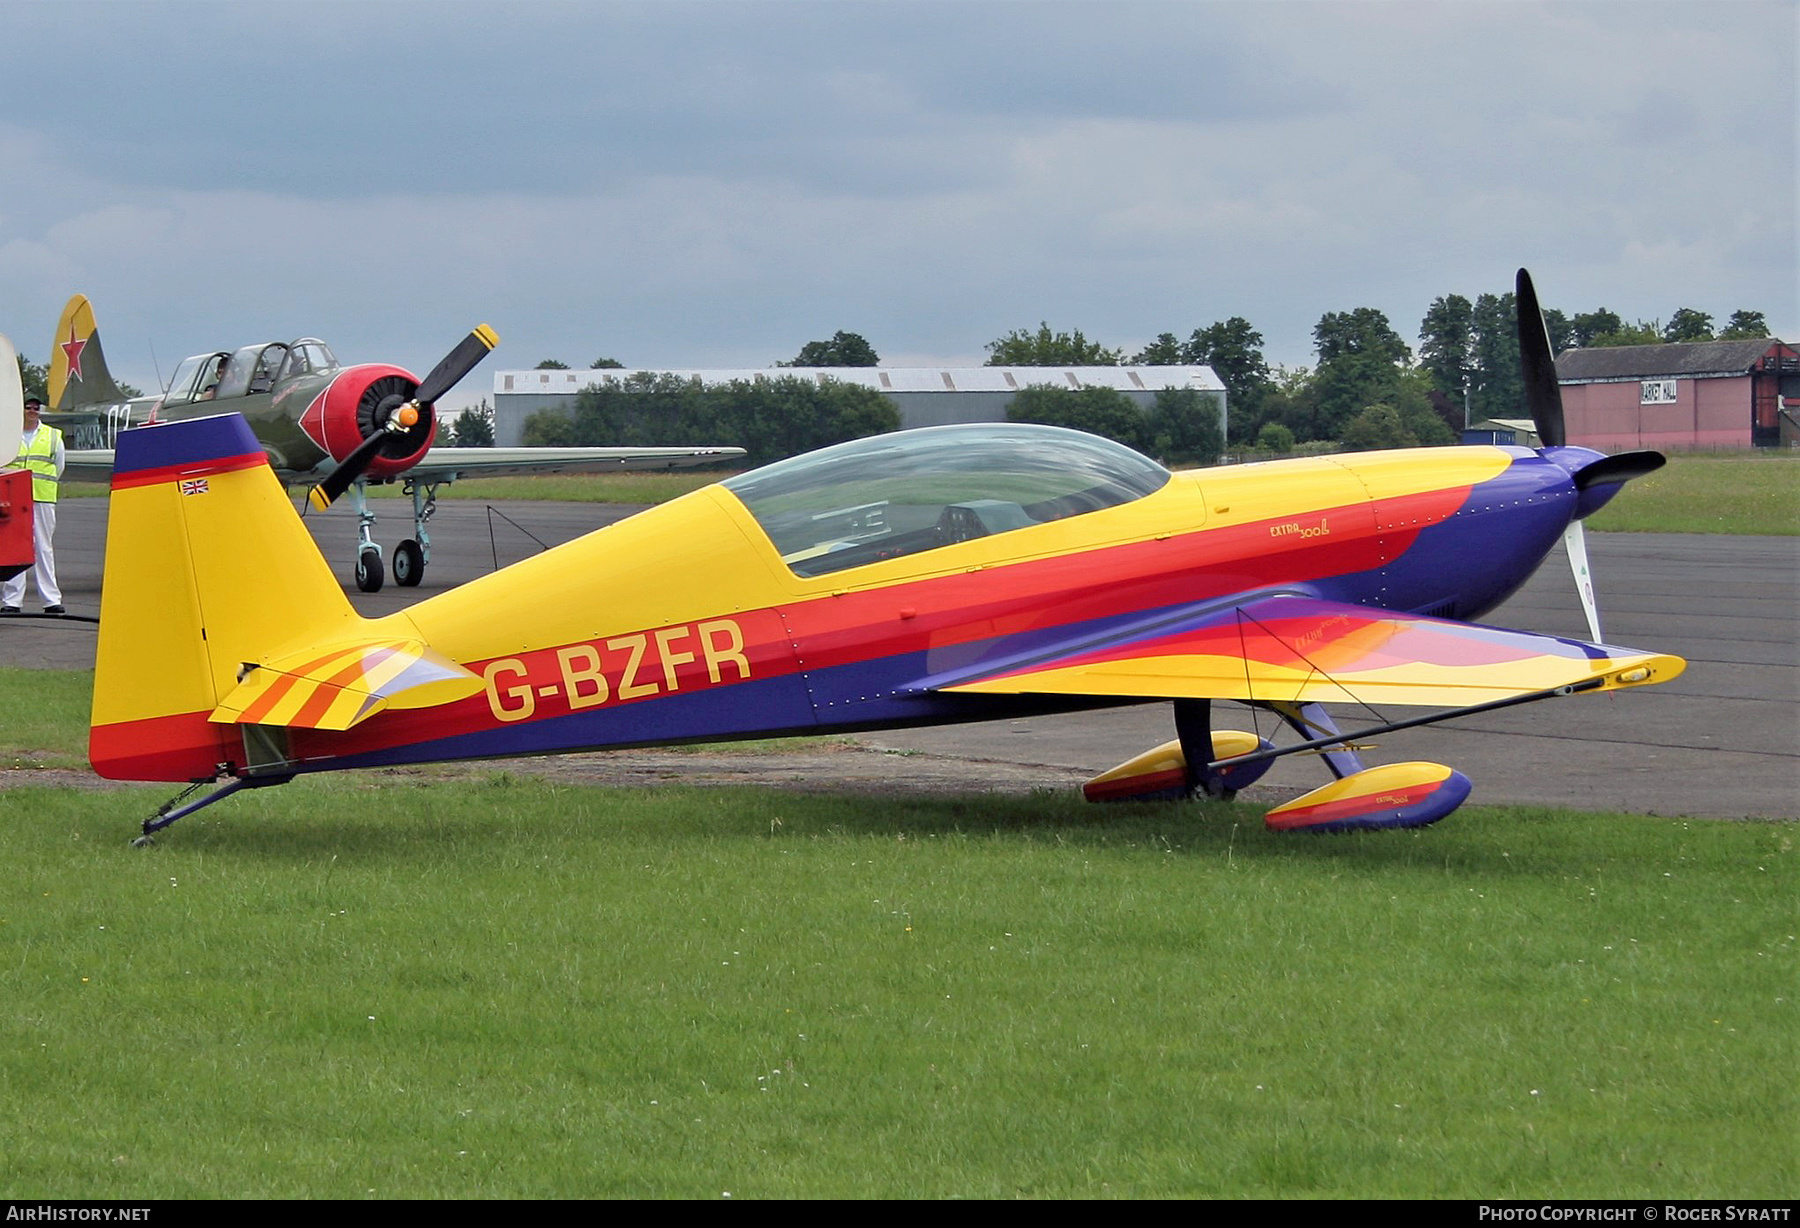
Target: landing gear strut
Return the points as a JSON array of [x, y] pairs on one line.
[[369, 572], [410, 556]]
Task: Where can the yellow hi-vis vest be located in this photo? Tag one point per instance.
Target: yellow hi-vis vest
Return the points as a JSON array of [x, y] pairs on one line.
[[40, 457]]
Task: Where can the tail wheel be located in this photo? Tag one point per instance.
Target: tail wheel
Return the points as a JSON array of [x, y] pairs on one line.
[[369, 573], [409, 564]]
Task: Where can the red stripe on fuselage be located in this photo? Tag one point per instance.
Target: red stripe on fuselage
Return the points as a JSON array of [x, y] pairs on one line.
[[1105, 582]]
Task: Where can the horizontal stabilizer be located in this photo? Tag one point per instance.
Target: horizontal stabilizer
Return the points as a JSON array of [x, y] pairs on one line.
[[338, 686], [1295, 649]]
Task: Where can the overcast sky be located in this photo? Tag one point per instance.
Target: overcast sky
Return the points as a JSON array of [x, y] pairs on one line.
[[715, 184]]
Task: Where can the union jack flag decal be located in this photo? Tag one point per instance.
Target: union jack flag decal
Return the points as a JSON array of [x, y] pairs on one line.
[[193, 486]]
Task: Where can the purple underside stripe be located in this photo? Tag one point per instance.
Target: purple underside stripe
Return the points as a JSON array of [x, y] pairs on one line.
[[748, 709], [185, 444], [718, 712]]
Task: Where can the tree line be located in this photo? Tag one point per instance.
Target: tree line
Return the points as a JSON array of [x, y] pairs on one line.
[[1367, 388], [770, 418], [782, 415]]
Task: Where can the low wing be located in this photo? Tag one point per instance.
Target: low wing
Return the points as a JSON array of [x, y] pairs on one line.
[[441, 463], [1296, 649], [88, 465], [69, 421]]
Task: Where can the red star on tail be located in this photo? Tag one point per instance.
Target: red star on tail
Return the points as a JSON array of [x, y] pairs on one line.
[[72, 351]]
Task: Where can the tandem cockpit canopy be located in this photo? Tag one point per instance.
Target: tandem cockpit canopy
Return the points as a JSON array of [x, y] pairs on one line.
[[254, 368], [892, 495]]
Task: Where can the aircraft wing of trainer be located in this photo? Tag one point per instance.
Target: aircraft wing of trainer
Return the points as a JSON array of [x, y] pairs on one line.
[[956, 573], [319, 422]]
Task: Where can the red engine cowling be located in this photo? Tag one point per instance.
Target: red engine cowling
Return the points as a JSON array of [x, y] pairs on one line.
[[356, 404]]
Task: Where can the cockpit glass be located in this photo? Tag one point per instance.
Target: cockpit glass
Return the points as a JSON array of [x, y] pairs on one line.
[[892, 495], [236, 380], [267, 366], [191, 377], [306, 356]]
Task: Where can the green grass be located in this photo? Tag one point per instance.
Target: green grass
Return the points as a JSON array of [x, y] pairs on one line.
[[46, 717], [1743, 493], [386, 984]]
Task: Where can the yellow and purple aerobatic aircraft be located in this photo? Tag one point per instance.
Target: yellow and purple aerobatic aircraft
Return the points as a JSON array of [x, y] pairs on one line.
[[956, 573]]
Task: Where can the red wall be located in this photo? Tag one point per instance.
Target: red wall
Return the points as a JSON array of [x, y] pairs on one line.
[[1707, 413]]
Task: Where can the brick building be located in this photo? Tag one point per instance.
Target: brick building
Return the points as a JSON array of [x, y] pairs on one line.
[[1698, 395]]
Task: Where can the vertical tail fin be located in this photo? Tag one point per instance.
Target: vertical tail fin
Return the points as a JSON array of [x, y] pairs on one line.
[[78, 374], [207, 567]]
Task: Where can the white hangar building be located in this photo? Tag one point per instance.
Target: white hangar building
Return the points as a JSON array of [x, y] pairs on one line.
[[924, 396]]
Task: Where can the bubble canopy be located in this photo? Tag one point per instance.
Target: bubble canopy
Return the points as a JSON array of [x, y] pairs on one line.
[[891, 495]]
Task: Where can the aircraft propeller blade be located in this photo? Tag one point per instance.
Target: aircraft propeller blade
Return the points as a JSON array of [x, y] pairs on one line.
[[352, 466], [456, 364], [1620, 468], [1537, 366], [443, 377], [1575, 546]]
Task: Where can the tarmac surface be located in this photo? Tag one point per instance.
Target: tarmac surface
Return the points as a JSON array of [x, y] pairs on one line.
[[1722, 740]]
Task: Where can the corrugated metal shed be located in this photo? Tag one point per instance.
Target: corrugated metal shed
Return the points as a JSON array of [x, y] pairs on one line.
[[1520, 431], [923, 396], [887, 379]]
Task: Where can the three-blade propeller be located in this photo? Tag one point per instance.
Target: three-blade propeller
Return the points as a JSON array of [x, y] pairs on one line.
[[1543, 397], [456, 364]]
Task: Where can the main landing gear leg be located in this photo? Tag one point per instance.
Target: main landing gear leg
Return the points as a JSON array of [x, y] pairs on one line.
[[411, 556], [1193, 726], [369, 571], [1312, 721]]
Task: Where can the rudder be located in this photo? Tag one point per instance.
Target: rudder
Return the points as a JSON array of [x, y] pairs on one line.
[[208, 567]]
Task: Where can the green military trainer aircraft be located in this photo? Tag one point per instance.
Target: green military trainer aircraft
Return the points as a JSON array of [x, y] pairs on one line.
[[333, 427]]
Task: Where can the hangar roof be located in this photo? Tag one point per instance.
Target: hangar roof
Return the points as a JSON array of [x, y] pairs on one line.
[[887, 379], [1694, 358]]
